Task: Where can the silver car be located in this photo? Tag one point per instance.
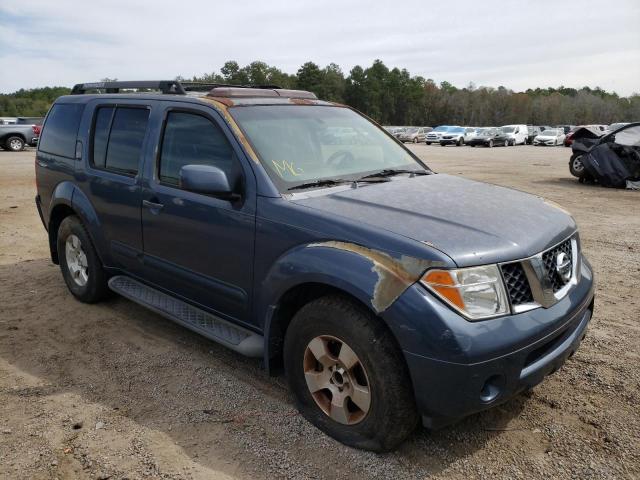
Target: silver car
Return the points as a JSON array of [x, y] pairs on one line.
[[414, 134]]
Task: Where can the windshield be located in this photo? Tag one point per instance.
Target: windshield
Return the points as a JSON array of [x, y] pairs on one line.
[[441, 128], [412, 130], [508, 129], [485, 132], [302, 144], [456, 130], [550, 133]]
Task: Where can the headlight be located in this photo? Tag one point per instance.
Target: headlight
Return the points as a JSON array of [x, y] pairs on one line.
[[476, 292]]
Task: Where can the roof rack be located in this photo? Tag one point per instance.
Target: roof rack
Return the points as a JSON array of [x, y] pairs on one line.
[[178, 87], [165, 86]]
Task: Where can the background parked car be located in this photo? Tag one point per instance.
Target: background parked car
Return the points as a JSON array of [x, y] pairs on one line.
[[532, 132], [14, 137], [434, 135], [517, 134], [565, 128], [489, 137], [551, 137], [456, 136], [413, 134]]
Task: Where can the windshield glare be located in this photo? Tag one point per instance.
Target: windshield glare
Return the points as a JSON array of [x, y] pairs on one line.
[[301, 144], [441, 128]]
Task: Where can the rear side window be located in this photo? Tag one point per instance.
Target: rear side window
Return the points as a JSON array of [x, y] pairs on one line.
[[118, 135], [191, 139], [61, 129]]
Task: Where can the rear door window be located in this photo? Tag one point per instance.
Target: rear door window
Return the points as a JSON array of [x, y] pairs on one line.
[[118, 136], [61, 129]]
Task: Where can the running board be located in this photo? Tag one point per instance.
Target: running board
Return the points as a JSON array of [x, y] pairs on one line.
[[214, 328]]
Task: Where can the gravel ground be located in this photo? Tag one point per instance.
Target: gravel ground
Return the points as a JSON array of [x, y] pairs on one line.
[[115, 391]]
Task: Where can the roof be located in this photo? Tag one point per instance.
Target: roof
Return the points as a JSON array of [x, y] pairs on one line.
[[228, 95]]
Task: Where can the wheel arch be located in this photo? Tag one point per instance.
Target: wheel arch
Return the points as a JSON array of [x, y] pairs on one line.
[[68, 200], [290, 302]]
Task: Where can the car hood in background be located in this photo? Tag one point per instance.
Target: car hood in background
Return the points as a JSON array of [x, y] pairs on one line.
[[472, 222]]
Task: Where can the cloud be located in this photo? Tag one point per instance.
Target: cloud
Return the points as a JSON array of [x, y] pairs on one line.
[[518, 44]]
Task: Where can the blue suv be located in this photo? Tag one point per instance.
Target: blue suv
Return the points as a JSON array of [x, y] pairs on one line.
[[298, 231]]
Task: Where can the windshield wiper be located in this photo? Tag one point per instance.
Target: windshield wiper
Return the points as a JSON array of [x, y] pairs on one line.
[[329, 182], [390, 172]]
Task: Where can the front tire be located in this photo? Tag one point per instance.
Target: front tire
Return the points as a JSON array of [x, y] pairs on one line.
[[80, 265], [490, 145], [576, 167], [428, 143], [14, 144], [348, 375]]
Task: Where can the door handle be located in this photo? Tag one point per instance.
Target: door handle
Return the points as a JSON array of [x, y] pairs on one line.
[[152, 205]]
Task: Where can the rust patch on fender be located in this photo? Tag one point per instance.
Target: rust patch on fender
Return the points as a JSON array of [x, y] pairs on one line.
[[222, 107], [395, 275]]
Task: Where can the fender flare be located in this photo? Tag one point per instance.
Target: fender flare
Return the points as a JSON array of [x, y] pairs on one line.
[[66, 193], [374, 277]]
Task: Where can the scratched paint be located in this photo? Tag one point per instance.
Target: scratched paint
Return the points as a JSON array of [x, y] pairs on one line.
[[395, 275]]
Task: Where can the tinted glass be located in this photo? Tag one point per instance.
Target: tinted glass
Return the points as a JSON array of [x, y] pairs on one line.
[[191, 139], [101, 135], [59, 134], [125, 141]]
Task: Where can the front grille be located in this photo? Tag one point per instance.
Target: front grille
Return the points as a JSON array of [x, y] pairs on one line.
[[517, 284], [549, 261]]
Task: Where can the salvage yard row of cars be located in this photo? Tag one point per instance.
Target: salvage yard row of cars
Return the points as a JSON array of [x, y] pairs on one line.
[[494, 136]]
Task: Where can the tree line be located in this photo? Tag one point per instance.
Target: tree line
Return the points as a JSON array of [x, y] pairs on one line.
[[395, 97]]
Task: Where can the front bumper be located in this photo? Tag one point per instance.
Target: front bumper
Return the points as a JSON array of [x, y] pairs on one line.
[[459, 368], [449, 141]]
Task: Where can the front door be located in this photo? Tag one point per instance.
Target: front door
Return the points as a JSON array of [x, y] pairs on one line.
[[197, 246]]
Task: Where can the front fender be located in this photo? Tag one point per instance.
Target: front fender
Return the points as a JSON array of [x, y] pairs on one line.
[[374, 277]]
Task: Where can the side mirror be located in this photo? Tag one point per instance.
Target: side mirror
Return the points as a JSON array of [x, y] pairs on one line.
[[208, 180]]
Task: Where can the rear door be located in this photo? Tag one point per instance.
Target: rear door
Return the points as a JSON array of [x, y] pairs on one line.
[[197, 246], [112, 176]]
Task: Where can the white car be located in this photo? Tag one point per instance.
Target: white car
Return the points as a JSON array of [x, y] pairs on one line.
[[551, 136], [517, 134], [436, 134]]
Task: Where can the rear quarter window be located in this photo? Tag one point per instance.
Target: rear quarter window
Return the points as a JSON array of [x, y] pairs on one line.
[[61, 129]]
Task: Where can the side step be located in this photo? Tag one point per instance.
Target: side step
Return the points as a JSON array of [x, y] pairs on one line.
[[214, 328]]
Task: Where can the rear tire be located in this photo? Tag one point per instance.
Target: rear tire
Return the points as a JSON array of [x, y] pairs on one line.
[[428, 143], [14, 144], [80, 265], [378, 379]]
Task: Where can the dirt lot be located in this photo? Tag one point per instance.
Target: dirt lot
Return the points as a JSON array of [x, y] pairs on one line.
[[114, 391]]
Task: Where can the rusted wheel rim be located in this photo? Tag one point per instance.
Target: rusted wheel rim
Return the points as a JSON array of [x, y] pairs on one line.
[[337, 380]]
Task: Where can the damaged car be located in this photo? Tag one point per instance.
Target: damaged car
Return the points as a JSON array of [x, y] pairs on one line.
[[612, 160], [389, 295]]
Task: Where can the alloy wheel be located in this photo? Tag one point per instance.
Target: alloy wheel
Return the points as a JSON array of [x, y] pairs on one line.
[[76, 260], [337, 380]]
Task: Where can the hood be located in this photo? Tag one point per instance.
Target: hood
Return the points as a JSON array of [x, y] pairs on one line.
[[472, 222]]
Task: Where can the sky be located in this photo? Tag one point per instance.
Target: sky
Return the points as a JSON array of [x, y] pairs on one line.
[[513, 43]]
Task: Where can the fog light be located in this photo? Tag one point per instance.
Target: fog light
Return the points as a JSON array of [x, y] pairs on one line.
[[492, 388]]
